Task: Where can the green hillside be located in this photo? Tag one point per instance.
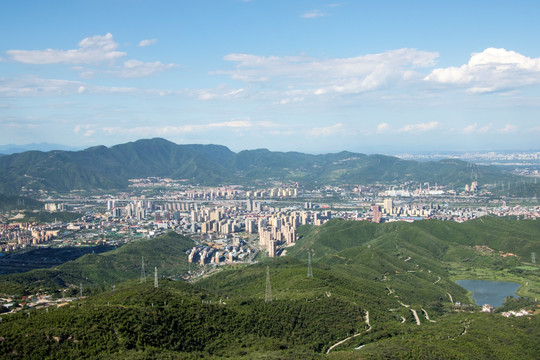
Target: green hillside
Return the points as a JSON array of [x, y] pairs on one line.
[[96, 271], [110, 168], [386, 287]]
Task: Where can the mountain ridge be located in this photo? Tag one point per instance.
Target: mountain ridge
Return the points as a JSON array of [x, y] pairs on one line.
[[109, 168]]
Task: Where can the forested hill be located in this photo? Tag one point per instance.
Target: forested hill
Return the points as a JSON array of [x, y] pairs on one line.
[[376, 291], [110, 168], [96, 271]]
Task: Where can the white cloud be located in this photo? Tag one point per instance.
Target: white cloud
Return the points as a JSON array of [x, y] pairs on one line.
[[383, 127], [92, 49], [326, 131], [508, 128], [147, 42], [331, 76], [146, 131], [470, 129], [491, 70], [136, 68], [484, 129], [220, 92], [36, 86], [473, 128], [289, 100], [420, 127], [311, 14]]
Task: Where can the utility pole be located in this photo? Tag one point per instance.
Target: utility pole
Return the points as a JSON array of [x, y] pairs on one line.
[[143, 273]]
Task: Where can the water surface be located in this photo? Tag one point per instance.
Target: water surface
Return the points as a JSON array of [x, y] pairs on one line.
[[489, 292]]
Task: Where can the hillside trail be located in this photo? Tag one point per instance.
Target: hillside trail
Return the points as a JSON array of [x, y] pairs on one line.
[[427, 315], [353, 336]]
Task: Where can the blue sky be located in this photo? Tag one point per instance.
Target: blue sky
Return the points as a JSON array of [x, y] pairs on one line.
[[311, 76]]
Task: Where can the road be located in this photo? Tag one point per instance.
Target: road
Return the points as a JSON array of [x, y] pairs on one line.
[[350, 337]]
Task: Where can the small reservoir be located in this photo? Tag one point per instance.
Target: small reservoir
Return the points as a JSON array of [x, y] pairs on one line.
[[489, 292]]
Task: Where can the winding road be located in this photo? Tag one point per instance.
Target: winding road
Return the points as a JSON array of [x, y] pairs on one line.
[[350, 337]]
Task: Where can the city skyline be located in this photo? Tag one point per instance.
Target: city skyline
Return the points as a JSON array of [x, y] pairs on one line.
[[310, 76]]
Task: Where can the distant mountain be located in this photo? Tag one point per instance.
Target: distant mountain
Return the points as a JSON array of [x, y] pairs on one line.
[[110, 168], [13, 149]]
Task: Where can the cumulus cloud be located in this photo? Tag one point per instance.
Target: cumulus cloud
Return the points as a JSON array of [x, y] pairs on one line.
[[470, 129], [311, 14], [484, 129], [508, 128], [92, 49], [420, 127], [332, 76], [147, 42], [382, 127], [474, 128], [491, 70]]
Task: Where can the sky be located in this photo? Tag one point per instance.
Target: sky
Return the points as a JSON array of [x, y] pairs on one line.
[[386, 76]]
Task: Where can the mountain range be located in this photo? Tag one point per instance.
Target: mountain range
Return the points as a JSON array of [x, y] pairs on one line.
[[110, 168], [13, 148]]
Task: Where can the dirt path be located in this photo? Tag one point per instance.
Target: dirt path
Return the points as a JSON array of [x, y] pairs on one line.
[[439, 279], [353, 336], [416, 317], [404, 305], [452, 300], [427, 315]]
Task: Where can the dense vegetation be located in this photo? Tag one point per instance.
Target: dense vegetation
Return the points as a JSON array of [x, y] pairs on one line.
[[110, 168], [98, 271], [371, 284]]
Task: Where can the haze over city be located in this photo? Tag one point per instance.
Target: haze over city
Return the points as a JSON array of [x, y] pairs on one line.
[[311, 76]]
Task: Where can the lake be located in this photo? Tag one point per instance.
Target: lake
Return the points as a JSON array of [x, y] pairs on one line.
[[489, 292]]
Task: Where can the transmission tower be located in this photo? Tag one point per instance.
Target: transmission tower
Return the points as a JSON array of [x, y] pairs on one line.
[[155, 278], [268, 293], [309, 270], [143, 272], [533, 258]]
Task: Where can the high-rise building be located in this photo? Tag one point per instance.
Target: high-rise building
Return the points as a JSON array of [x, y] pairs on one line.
[[377, 214], [388, 206]]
